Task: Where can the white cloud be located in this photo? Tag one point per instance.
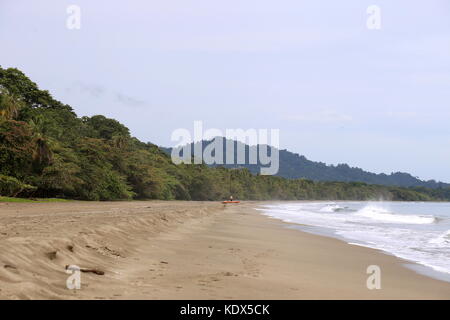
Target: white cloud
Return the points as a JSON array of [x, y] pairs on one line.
[[431, 78], [402, 114], [323, 116]]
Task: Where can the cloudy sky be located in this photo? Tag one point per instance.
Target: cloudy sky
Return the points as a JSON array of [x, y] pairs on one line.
[[338, 91]]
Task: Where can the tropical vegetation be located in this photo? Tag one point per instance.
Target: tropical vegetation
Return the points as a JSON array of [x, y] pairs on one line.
[[47, 151]]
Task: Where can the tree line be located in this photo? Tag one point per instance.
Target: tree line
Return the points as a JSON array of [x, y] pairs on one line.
[[46, 151]]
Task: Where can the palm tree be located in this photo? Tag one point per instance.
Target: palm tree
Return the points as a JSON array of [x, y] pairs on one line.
[[42, 153], [120, 141], [9, 106]]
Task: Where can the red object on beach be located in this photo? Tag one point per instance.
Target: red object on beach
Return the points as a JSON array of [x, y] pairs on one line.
[[230, 201]]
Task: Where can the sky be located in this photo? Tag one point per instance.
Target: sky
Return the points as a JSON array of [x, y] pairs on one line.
[[338, 91]]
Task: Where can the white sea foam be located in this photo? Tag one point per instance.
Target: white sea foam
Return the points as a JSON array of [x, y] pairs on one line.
[[383, 215], [442, 240], [331, 208], [419, 232]]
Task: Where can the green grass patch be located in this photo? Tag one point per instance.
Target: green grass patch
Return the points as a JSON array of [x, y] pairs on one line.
[[37, 200]]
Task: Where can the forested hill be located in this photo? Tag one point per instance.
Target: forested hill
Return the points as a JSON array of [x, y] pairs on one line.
[[46, 150], [295, 166]]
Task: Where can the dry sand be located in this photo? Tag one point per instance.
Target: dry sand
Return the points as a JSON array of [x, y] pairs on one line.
[[186, 250]]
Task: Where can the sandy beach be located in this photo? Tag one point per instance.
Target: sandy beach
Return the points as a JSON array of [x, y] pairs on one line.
[[186, 250]]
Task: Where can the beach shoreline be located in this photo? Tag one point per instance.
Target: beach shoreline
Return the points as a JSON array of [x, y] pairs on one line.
[[187, 250]]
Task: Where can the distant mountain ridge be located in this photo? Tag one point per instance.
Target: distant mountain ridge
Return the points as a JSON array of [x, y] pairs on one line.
[[47, 151], [295, 166]]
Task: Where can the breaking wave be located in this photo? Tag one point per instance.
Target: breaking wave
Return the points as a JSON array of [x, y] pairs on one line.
[[383, 215]]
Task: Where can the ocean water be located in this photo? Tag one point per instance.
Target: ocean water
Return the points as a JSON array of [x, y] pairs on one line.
[[415, 231]]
